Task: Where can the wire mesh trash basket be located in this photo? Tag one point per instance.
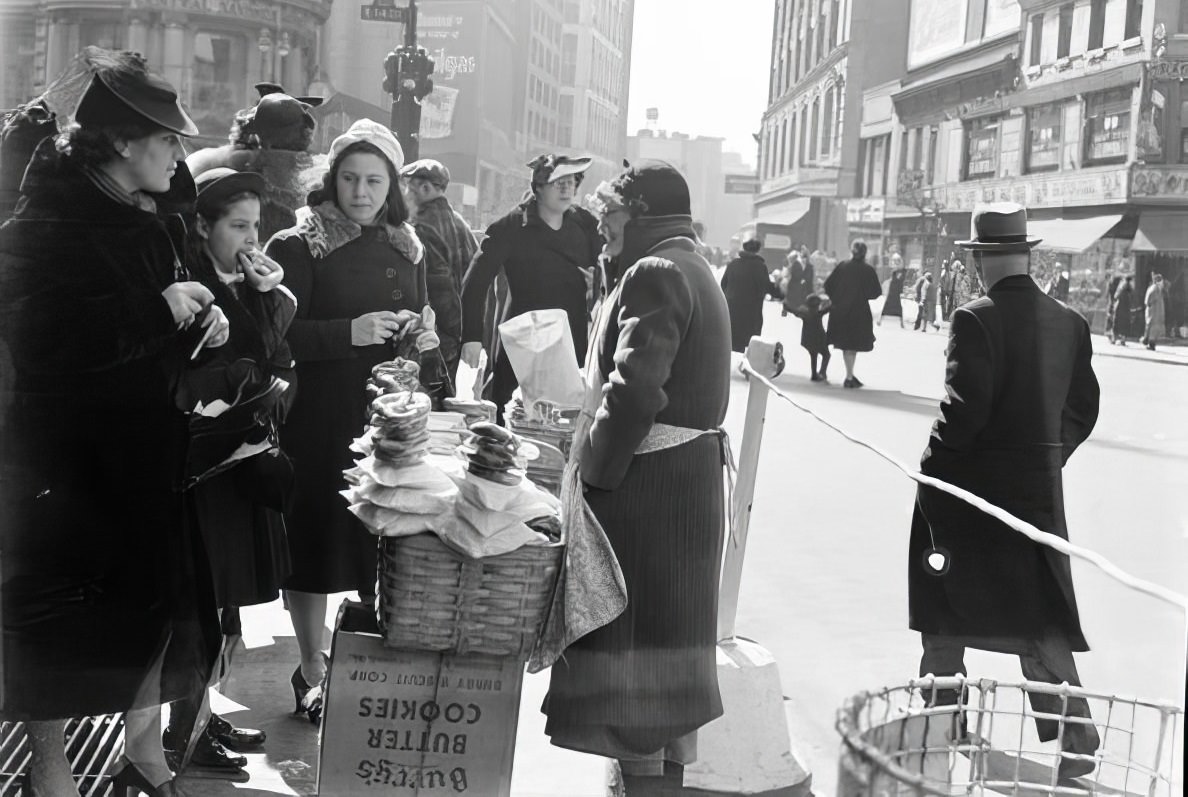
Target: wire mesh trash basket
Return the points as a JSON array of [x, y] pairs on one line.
[[918, 739]]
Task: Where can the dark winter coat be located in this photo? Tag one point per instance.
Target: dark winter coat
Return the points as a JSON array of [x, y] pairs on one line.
[[1021, 397], [893, 304], [661, 344], [746, 283], [812, 327], [801, 277], [1123, 311], [244, 537], [101, 566], [851, 286], [330, 549], [545, 269]]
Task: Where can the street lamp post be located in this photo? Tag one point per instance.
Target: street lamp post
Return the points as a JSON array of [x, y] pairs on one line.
[[407, 71]]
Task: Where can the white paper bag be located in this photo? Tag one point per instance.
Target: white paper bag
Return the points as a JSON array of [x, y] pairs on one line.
[[540, 348]]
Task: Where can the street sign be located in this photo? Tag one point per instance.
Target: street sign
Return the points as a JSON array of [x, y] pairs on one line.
[[383, 13], [742, 184]]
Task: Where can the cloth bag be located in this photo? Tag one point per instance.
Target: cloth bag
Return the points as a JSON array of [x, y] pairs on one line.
[[539, 346]]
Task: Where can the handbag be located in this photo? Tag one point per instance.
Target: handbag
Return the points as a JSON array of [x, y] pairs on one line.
[[266, 478]]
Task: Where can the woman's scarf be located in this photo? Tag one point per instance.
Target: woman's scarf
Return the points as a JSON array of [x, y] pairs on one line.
[[325, 228]]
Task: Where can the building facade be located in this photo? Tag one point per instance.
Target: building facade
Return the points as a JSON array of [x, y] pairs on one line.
[[823, 54], [595, 81], [212, 51], [1074, 109]]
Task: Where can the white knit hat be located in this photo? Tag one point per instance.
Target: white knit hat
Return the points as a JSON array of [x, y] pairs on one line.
[[375, 134]]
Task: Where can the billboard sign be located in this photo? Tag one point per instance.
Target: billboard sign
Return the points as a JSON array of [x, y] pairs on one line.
[[451, 31], [936, 29]]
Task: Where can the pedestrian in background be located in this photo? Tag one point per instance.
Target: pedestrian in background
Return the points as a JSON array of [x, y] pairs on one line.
[[893, 303], [812, 335], [547, 248], [851, 287], [107, 596], [1155, 304], [638, 688], [925, 303], [272, 139], [947, 286], [798, 282], [746, 283], [357, 269], [449, 248], [1123, 311], [1021, 396]]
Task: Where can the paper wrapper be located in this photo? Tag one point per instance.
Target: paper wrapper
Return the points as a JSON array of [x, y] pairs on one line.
[[540, 348]]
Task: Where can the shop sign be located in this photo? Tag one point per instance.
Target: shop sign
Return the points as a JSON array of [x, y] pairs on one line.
[[869, 210], [1168, 69], [1037, 191], [258, 10], [1160, 182], [742, 184]]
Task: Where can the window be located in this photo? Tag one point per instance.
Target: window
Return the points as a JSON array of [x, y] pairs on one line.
[[834, 14], [1096, 24], [827, 133], [1134, 18], [569, 60], [1107, 125], [1184, 131], [930, 164], [1043, 138], [981, 149], [814, 127], [1064, 35], [1037, 40], [217, 87]]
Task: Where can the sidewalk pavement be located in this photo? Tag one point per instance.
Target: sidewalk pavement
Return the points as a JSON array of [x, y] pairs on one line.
[[258, 695]]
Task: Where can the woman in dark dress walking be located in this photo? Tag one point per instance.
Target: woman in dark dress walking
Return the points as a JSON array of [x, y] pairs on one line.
[[357, 269], [893, 304], [746, 283], [1123, 312], [851, 287], [106, 594]]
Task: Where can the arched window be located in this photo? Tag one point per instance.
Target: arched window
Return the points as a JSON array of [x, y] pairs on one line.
[[827, 121], [815, 131]]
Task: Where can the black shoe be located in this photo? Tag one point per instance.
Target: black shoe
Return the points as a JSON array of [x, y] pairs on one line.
[[852, 382], [817, 378], [231, 737], [208, 754]]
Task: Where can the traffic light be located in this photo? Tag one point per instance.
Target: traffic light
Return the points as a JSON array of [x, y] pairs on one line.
[[422, 68], [392, 73]]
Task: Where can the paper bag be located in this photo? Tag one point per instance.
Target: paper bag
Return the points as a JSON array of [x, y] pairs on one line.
[[540, 348]]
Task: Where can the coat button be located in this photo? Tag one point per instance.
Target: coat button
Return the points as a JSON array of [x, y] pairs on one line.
[[397, 295], [391, 273]]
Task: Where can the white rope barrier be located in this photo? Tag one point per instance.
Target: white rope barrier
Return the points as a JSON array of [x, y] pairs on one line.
[[1023, 527]]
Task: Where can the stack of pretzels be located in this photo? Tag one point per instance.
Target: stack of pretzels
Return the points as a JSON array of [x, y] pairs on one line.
[[493, 453], [400, 428]]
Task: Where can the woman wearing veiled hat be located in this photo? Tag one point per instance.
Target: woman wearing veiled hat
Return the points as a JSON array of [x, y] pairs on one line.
[[649, 451], [357, 269], [106, 596]]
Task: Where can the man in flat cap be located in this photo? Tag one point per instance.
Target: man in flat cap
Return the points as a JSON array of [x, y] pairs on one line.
[[449, 248], [547, 248], [1021, 396]]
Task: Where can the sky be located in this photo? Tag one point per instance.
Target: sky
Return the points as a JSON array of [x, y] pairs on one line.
[[704, 64]]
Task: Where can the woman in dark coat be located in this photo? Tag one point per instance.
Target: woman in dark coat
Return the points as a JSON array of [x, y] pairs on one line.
[[638, 687], [357, 269], [893, 304], [746, 283], [1123, 312], [851, 287], [799, 281], [106, 595]]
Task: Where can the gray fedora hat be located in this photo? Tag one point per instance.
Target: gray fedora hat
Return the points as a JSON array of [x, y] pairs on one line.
[[999, 227]]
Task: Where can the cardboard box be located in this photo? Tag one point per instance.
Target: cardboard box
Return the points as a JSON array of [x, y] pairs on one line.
[[399, 722]]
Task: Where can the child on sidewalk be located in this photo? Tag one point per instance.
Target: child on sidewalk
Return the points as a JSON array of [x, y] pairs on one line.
[[812, 333]]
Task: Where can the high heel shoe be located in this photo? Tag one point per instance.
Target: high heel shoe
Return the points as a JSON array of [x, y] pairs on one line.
[[129, 781], [307, 698]]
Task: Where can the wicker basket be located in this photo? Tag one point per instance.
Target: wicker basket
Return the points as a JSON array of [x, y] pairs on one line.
[[434, 598]]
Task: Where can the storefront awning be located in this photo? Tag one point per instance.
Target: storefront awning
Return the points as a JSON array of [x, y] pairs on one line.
[[1161, 232], [1071, 235], [785, 213]]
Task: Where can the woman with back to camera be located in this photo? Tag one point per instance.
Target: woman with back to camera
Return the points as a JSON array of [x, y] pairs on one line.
[[357, 269], [107, 598], [851, 287]]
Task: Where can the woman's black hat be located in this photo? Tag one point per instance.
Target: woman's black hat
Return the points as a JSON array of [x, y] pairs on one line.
[[654, 188], [123, 91]]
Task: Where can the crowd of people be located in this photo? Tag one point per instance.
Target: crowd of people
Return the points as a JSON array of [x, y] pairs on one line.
[[190, 341]]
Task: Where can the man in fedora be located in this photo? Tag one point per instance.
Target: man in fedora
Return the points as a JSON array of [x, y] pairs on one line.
[[547, 248], [1021, 396]]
